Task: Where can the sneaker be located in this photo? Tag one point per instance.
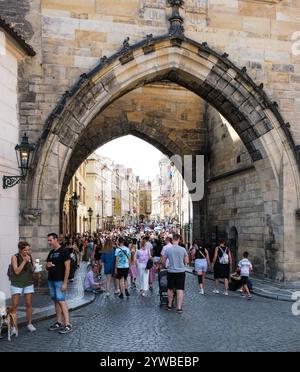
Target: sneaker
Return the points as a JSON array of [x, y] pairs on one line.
[[216, 291], [107, 294], [201, 291], [121, 296], [56, 327], [66, 329], [127, 293], [169, 308], [226, 293], [117, 292], [179, 311], [243, 295], [31, 328], [250, 297]]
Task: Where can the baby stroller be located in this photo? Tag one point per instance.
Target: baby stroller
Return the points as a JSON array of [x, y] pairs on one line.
[[163, 288]]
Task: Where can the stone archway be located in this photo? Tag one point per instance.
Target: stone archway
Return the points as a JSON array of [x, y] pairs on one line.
[[212, 76]]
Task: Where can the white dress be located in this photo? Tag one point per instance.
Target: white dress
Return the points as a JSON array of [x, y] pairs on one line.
[[142, 280]]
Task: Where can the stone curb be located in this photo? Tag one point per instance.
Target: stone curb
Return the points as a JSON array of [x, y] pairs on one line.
[[260, 293], [74, 304]]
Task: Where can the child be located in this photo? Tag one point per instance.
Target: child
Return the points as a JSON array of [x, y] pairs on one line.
[[246, 268]]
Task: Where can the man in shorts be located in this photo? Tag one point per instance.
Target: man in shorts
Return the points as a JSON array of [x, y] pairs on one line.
[[122, 255], [58, 266], [178, 258]]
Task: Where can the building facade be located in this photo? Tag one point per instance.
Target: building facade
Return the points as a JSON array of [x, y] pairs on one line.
[[145, 198], [13, 50], [76, 221], [171, 202]]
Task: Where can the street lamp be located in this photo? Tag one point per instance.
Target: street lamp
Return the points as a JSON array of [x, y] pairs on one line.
[[24, 153], [90, 213], [75, 201]]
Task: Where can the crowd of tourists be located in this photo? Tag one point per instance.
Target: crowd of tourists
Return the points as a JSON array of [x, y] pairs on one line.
[[128, 261]]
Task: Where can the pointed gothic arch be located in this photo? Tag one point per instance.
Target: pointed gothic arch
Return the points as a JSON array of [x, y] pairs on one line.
[[213, 77]]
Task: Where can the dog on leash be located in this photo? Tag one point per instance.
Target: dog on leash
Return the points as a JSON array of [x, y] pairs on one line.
[[8, 319]]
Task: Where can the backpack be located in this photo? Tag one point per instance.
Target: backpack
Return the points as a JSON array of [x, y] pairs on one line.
[[224, 260], [10, 269]]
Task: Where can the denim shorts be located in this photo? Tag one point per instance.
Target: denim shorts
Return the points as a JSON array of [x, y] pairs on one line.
[[20, 291], [56, 292]]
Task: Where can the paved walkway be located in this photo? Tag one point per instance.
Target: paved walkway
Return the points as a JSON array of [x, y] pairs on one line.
[[43, 306], [208, 323]]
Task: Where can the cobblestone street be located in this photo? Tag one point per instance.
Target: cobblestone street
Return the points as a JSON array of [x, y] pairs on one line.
[[209, 323]]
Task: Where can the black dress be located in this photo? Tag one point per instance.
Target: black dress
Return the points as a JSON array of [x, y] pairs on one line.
[[73, 265], [98, 253], [221, 271]]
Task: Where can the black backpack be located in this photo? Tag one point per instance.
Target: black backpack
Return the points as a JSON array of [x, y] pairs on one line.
[[10, 270]]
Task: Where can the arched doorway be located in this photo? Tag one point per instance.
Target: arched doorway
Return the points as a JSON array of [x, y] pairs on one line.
[[71, 133], [233, 243]]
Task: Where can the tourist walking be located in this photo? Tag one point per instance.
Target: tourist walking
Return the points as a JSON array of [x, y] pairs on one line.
[[74, 259], [22, 283], [90, 249], [143, 255], [58, 266], [122, 267], [168, 244], [178, 258], [108, 259], [246, 268], [157, 248], [222, 263], [133, 266], [149, 247], [202, 262], [98, 254]]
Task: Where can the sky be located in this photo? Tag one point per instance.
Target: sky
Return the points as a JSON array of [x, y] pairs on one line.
[[133, 153]]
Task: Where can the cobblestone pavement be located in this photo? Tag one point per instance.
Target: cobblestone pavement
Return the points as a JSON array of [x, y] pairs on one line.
[[209, 323]]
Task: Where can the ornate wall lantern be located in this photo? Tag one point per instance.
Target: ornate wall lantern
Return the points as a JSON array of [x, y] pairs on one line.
[[24, 153]]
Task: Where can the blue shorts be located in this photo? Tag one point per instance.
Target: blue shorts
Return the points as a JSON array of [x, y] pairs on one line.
[[56, 292]]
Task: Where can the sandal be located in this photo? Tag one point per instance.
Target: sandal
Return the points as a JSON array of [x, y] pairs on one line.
[[179, 311], [168, 307]]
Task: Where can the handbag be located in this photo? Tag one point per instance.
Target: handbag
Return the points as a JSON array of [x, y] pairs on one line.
[[149, 263]]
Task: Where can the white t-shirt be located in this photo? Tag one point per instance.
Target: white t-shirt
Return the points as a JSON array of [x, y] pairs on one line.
[[245, 266]]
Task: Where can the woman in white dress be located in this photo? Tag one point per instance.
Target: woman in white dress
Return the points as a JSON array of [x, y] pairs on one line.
[[142, 257]]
